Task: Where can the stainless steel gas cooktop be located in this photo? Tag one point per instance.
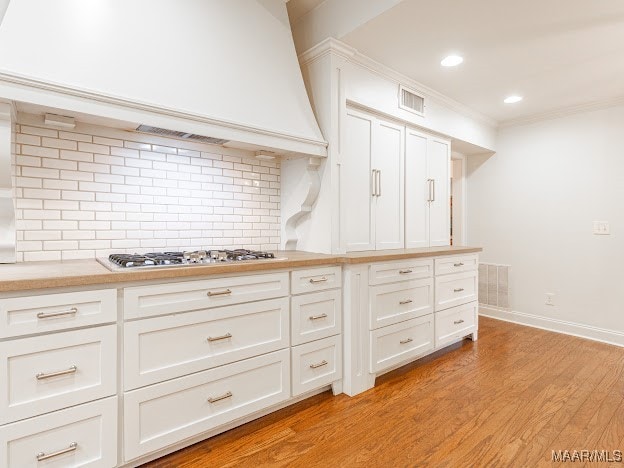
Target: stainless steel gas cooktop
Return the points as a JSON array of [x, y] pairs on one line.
[[173, 259]]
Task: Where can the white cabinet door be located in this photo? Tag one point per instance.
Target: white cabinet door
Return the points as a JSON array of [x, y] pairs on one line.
[[356, 192], [438, 162], [388, 151], [416, 190]]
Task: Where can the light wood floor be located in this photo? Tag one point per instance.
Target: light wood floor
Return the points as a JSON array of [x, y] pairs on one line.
[[507, 400]]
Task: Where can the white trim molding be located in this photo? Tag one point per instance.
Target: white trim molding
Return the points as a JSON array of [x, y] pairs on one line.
[[563, 112], [559, 326]]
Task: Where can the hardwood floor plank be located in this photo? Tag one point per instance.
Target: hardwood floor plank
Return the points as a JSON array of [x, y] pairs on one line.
[[507, 400]]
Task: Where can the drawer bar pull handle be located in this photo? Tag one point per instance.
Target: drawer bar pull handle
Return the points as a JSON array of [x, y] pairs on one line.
[[219, 338], [458, 264], [320, 364], [457, 322], [409, 301], [317, 317], [45, 456], [219, 398], [409, 340], [43, 375], [458, 290], [45, 315], [405, 272], [220, 293], [320, 280]]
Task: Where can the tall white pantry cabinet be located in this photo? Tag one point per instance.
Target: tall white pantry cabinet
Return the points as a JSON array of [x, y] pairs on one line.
[[397, 193]]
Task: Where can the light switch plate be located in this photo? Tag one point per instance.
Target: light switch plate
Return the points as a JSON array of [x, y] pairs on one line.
[[601, 228]]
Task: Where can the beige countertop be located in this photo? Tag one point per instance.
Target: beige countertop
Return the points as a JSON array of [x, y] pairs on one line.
[[57, 274]]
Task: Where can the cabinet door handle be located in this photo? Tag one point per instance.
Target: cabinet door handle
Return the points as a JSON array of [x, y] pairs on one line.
[[45, 456], [405, 272], [458, 289], [317, 317], [219, 338], [408, 340], [219, 293], [47, 375], [379, 183], [457, 322], [374, 183], [319, 280], [320, 364], [219, 398], [458, 264], [433, 190], [408, 301], [430, 196], [45, 315]]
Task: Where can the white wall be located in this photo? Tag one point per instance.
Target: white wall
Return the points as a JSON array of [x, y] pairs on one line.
[[532, 205]]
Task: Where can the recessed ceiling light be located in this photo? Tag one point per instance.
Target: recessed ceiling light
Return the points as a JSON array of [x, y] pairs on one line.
[[452, 61], [512, 99]]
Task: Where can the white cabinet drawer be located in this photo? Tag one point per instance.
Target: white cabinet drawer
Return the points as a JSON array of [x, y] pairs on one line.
[[160, 299], [394, 303], [85, 435], [316, 316], [401, 342], [316, 364], [51, 312], [316, 279], [456, 264], [163, 348], [454, 290], [44, 374], [455, 323], [168, 412], [382, 273]]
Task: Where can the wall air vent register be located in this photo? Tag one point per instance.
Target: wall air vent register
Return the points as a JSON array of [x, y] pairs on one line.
[[411, 101]]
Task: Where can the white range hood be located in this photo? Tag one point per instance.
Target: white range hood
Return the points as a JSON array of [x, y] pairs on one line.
[[225, 69]]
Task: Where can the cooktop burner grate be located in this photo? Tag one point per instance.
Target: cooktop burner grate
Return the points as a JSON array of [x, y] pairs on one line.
[[197, 257]]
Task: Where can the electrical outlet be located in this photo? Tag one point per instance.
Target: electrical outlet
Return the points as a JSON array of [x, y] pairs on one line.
[[601, 228], [550, 299]]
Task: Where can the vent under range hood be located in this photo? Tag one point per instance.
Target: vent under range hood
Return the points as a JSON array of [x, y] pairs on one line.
[[181, 135], [225, 69]]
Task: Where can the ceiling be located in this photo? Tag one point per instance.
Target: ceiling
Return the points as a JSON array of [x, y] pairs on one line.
[[298, 8], [556, 53]]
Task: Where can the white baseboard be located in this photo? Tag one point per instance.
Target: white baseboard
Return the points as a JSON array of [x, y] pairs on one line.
[[558, 326]]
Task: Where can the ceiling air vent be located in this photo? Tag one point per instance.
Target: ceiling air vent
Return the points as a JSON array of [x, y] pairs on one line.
[[411, 101], [182, 135]]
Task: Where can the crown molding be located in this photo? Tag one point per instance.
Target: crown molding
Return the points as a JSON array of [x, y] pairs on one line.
[[563, 112], [333, 45], [327, 46], [222, 128]]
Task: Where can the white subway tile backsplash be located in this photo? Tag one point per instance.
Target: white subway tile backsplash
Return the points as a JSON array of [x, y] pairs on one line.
[[38, 131], [75, 136], [93, 148], [59, 144], [81, 195]]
